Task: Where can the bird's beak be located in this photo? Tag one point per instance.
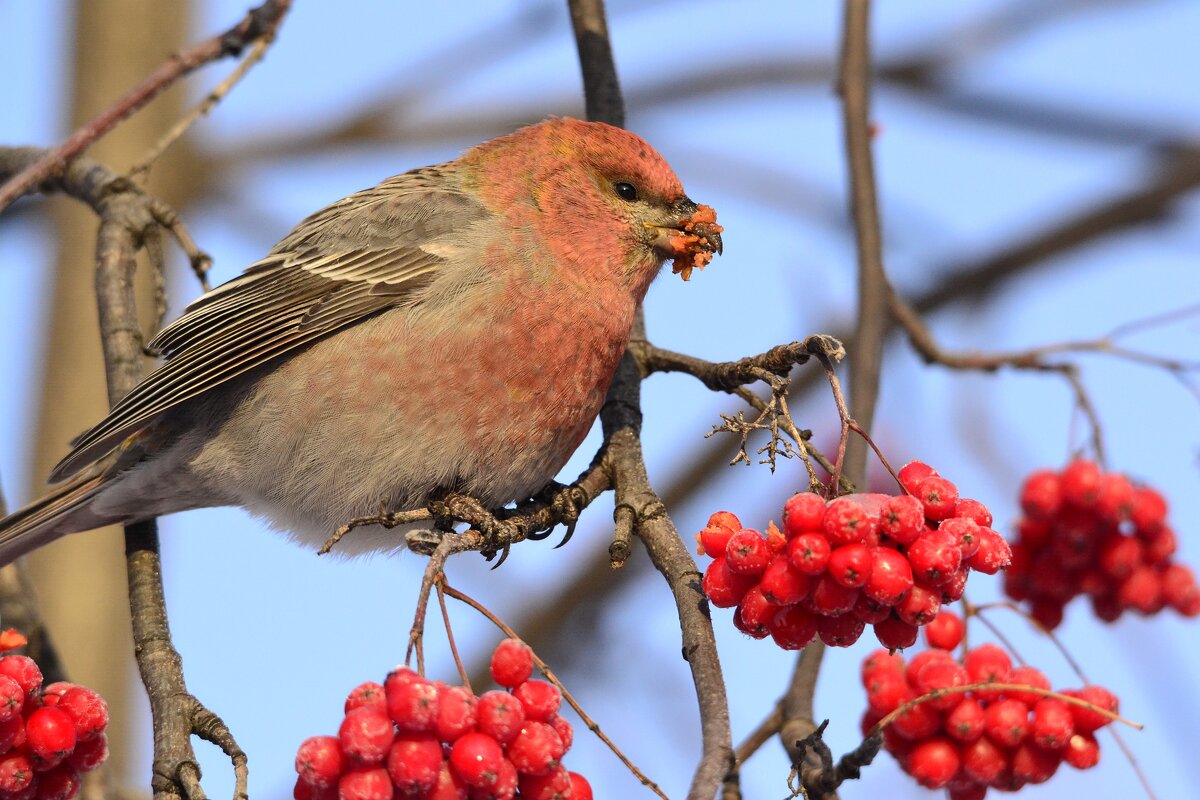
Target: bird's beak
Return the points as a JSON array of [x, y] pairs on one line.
[[691, 240]]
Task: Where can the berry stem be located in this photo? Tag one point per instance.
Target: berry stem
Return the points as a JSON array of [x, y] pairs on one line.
[[441, 594]]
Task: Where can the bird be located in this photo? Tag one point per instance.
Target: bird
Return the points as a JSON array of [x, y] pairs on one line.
[[453, 328]]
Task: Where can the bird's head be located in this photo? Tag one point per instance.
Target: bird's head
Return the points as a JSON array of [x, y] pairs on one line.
[[601, 199]]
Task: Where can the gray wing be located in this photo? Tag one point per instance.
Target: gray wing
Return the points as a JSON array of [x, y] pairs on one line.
[[360, 256]]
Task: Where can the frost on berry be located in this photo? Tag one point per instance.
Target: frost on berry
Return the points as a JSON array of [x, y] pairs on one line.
[[414, 761], [512, 662], [782, 584], [412, 703], [809, 553], [723, 587], [554, 785], [803, 513], [87, 710], [365, 735], [24, 671], [536, 750], [457, 712], [747, 552], [500, 715], [540, 699], [12, 698], [366, 694], [365, 783], [754, 614], [792, 627], [319, 761]]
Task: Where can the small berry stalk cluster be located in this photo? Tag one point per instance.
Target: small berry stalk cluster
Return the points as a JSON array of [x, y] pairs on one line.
[[48, 735], [888, 561], [1088, 532], [969, 741], [415, 738]]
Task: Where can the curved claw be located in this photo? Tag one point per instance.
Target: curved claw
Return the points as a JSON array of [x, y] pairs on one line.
[[566, 536], [504, 551]]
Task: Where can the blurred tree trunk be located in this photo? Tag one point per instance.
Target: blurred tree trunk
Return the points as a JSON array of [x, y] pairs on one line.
[[81, 580]]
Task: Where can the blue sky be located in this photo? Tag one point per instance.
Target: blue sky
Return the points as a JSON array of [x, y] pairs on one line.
[[289, 634]]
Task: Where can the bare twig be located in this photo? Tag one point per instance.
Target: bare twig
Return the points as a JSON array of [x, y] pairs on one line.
[[261, 21]]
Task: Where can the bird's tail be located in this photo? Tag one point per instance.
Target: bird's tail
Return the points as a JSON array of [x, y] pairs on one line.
[[64, 510]]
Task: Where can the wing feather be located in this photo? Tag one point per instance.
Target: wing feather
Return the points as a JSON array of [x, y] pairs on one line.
[[356, 258]]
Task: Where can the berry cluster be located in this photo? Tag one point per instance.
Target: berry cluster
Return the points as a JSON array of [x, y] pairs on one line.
[[414, 738], [890, 561], [970, 741], [48, 735], [1095, 533]]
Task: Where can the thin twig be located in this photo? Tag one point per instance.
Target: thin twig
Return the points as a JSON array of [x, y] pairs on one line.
[[462, 670], [261, 21]]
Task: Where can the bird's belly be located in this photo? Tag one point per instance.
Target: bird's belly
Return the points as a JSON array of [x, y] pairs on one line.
[[384, 413]]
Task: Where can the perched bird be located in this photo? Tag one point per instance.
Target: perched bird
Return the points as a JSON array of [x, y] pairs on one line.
[[455, 327]]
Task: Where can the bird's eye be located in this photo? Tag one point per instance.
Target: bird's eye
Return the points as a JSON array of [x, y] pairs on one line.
[[626, 191]]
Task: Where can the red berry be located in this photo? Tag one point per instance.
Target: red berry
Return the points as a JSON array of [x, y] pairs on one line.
[[448, 787], [993, 555], [1053, 724], [847, 521], [977, 512], [917, 722], [850, 565], [965, 721], [942, 674], [881, 662], [891, 576], [1032, 764], [580, 788], [988, 663], [12, 698], [715, 536], [933, 762], [1026, 675], [365, 783], [913, 473], [366, 694], [1081, 483], [830, 598], [319, 761], [1082, 751], [1118, 556], [1148, 511], [564, 730], [1047, 611], [902, 519], [722, 586], [935, 557], [1006, 722], [87, 710], [541, 699], [966, 791], [1115, 500], [16, 772], [554, 785], [895, 634], [1141, 591], [476, 758], [536, 750], [414, 761], [782, 584], [1087, 720], [1041, 496], [803, 513], [945, 630], [24, 671], [747, 552], [919, 606], [754, 614], [500, 716], [793, 627], [412, 704], [912, 670], [963, 531], [938, 497], [49, 735], [953, 589], [60, 783], [457, 712], [983, 760], [869, 611], [512, 662], [809, 553], [1160, 546], [1179, 589], [365, 735], [91, 753], [306, 791], [840, 631], [886, 693]]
